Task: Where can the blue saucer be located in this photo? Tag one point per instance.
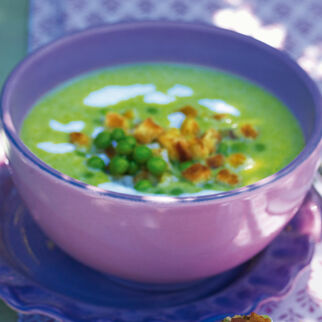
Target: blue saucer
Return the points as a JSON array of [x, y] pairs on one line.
[[37, 277]]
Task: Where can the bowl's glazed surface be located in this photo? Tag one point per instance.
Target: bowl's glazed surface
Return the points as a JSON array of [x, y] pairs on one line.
[[160, 239]]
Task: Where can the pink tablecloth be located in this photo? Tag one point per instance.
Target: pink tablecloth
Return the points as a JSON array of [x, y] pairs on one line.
[[294, 26]]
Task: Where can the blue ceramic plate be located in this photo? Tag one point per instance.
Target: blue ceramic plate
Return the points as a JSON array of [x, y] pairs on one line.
[[37, 277]]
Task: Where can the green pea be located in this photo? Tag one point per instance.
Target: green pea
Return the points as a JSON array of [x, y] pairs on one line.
[[259, 147], [118, 134], [152, 110], [176, 191], [185, 165], [124, 148], [142, 154], [103, 140], [143, 185], [223, 148], [133, 168], [157, 166], [131, 140], [118, 165], [95, 162]]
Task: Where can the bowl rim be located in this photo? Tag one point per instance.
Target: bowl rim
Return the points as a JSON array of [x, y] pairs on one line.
[[13, 136]]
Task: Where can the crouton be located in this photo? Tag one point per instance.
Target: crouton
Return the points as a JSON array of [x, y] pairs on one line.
[[198, 149], [129, 114], [115, 120], [210, 138], [229, 133], [227, 177], [248, 131], [189, 111], [166, 138], [236, 159], [253, 317], [257, 318], [190, 127], [220, 116], [147, 131], [216, 161], [176, 144], [79, 138], [182, 150], [197, 173]]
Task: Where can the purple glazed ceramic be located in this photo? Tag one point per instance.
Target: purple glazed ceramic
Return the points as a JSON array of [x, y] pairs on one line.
[[37, 277], [160, 239]]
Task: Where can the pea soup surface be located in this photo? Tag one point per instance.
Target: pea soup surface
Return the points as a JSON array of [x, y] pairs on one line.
[[163, 129]]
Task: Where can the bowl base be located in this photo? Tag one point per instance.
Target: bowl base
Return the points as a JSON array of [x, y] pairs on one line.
[[43, 279]]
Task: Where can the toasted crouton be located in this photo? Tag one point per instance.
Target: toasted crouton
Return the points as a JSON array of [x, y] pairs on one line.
[[229, 133], [182, 150], [176, 144], [129, 114], [253, 317], [236, 159], [220, 116], [248, 131], [258, 318], [190, 127], [227, 177], [198, 149], [79, 138], [189, 111], [166, 138], [197, 173], [216, 161], [203, 147], [147, 131], [115, 120], [210, 139]]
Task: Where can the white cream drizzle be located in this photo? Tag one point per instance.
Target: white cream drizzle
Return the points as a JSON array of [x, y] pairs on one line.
[[176, 119], [57, 148], [104, 157], [219, 106], [97, 131], [179, 90], [158, 98], [74, 126], [113, 94]]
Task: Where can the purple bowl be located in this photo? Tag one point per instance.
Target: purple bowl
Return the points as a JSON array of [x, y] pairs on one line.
[[160, 239]]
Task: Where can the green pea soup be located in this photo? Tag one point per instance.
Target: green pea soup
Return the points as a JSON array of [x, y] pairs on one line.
[[159, 91]]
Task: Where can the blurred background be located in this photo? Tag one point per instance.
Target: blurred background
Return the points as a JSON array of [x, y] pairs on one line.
[[293, 26]]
